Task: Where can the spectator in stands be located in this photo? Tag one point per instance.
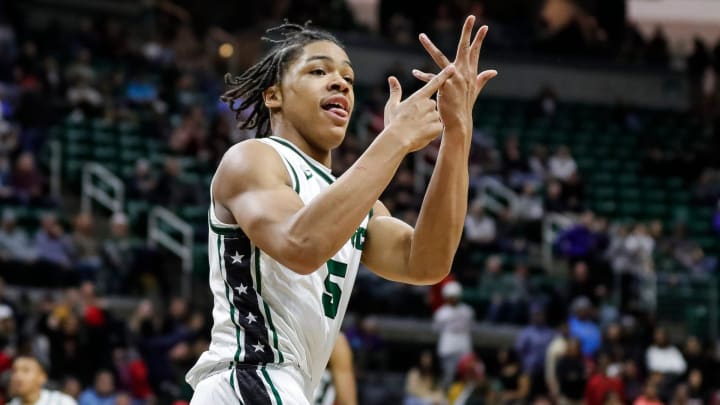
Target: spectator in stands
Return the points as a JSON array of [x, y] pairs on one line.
[[601, 383], [102, 392], [562, 165], [367, 345], [573, 192], [578, 241], [632, 384], [453, 322], [571, 375], [509, 294], [554, 201], [72, 387], [118, 255], [472, 386], [697, 390], [539, 165], [14, 241], [515, 167], [422, 384], [583, 328], [694, 356], [7, 192], [515, 382], [51, 244], [529, 209], [132, 373], [85, 247], [664, 358], [143, 183], [649, 396], [531, 346], [171, 189], [586, 283], [28, 182], [480, 229], [555, 351], [26, 384], [191, 135]]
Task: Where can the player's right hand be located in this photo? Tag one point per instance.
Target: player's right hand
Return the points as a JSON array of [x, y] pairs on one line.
[[416, 118]]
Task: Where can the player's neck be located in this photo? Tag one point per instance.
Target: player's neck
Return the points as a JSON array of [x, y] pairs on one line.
[[288, 132]]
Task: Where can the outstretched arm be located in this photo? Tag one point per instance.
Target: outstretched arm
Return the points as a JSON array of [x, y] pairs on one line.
[[252, 187], [424, 255]]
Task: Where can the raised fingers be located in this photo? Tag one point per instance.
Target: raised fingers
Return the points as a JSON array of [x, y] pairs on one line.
[[477, 45], [464, 43], [483, 78], [440, 59], [434, 84], [422, 76]]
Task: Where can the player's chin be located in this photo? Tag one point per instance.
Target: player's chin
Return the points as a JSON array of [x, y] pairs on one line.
[[334, 135]]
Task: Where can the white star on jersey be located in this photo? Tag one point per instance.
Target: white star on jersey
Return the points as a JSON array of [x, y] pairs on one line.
[[259, 347], [242, 289], [237, 258], [251, 318]]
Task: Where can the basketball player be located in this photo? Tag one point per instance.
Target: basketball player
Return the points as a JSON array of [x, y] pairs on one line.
[[337, 384], [286, 237], [26, 385]]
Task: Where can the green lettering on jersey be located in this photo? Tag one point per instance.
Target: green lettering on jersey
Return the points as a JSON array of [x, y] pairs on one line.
[[358, 238], [331, 296]]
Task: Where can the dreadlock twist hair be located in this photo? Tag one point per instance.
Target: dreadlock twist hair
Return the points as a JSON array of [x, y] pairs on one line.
[[249, 86]]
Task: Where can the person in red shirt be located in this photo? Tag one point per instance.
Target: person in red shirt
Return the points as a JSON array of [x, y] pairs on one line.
[[601, 383]]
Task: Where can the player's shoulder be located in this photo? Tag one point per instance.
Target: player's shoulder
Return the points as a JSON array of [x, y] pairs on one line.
[[250, 163]]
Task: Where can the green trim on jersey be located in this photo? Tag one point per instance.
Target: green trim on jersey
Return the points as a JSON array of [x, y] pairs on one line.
[[322, 173], [223, 230], [295, 176], [239, 349], [268, 317], [265, 374]]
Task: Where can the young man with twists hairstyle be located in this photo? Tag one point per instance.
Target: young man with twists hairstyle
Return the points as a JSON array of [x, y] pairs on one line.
[[286, 237]]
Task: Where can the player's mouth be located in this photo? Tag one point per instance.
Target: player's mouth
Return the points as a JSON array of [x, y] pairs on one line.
[[337, 108]]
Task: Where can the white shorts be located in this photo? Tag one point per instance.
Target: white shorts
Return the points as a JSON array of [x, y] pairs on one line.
[[252, 386]]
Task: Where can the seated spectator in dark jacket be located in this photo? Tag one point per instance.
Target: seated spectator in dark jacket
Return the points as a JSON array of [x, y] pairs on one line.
[[85, 246], [578, 241], [28, 182], [51, 243], [571, 374]]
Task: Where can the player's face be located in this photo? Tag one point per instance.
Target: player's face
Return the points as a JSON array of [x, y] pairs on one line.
[[27, 377], [317, 94]]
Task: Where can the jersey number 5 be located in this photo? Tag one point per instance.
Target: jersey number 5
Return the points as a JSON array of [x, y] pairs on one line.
[[331, 296]]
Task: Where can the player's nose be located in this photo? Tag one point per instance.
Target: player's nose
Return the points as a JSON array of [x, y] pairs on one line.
[[338, 83]]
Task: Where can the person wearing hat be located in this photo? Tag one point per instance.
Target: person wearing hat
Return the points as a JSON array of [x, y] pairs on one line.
[[26, 385], [453, 322]]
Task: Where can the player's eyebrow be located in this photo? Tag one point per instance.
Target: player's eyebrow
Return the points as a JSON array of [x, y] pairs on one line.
[[327, 58]]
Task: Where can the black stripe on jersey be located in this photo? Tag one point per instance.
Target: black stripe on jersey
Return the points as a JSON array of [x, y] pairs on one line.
[[251, 387], [237, 255]]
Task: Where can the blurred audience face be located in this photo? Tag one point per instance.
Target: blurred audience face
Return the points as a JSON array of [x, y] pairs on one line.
[[693, 346], [426, 361], [104, 383], [84, 223], [660, 339], [72, 387], [27, 378], [123, 399], [25, 163], [493, 265], [119, 226], [580, 272], [573, 348], [614, 333], [695, 379]]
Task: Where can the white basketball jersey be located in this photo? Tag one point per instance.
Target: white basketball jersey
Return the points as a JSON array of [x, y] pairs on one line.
[[265, 313]]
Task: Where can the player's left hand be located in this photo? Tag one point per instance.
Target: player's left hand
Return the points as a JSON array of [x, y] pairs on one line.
[[457, 96]]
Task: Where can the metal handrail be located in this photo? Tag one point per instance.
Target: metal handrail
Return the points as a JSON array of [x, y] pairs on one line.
[[90, 191], [183, 248]]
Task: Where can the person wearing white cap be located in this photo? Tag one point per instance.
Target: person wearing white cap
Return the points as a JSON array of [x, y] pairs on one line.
[[453, 321]]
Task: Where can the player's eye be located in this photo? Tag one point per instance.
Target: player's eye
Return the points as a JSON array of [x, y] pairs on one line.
[[350, 80], [317, 72]]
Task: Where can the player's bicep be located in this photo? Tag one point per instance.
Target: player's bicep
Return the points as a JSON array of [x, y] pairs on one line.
[[387, 247], [253, 185]]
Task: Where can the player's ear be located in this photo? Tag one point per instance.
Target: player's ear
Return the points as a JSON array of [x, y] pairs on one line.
[[272, 97]]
